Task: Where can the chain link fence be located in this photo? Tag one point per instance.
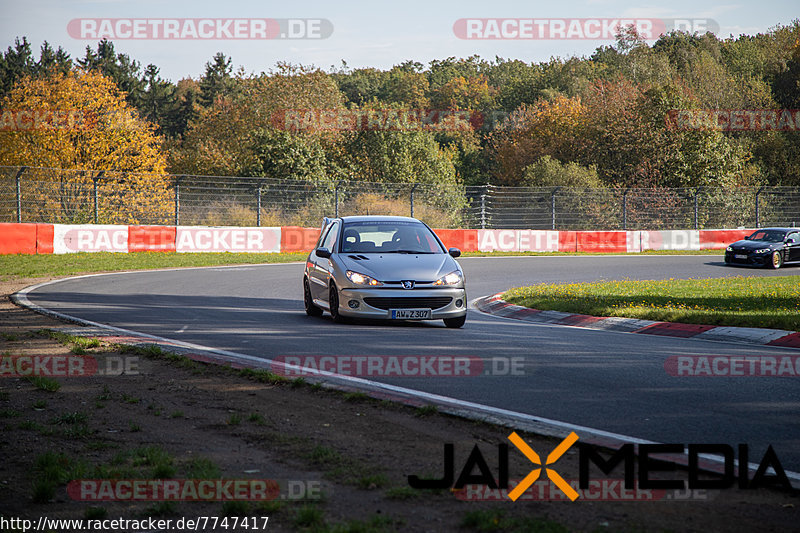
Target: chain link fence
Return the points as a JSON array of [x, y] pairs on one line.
[[29, 194]]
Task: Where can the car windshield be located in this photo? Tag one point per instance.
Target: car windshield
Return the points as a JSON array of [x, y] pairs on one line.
[[402, 237], [768, 236]]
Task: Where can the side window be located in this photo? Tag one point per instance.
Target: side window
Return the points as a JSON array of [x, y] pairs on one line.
[[331, 237], [795, 236], [322, 235]]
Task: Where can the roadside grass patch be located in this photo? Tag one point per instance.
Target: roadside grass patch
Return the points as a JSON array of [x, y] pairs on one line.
[[762, 302], [45, 384], [31, 266], [202, 468], [51, 470]]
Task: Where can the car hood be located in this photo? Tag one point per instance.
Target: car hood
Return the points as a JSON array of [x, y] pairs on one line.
[[755, 245], [398, 267]]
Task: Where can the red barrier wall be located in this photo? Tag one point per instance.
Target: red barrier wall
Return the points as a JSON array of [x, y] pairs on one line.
[[602, 241], [567, 241], [465, 240], [17, 238], [29, 238], [297, 239], [151, 238], [721, 238], [44, 238]]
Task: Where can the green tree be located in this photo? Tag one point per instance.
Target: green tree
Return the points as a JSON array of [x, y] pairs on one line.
[[120, 68], [217, 80], [158, 99]]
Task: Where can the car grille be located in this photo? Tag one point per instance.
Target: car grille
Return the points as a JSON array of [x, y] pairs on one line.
[[410, 302]]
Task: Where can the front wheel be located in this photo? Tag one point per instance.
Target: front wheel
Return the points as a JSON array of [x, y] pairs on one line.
[[777, 260], [308, 301], [333, 303], [456, 322]]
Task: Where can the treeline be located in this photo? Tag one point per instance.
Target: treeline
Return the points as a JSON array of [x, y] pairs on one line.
[[598, 121]]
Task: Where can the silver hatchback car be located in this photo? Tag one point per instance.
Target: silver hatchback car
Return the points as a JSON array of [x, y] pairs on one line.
[[382, 267]]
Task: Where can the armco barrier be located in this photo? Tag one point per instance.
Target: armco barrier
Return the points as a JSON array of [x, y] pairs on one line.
[[69, 238]]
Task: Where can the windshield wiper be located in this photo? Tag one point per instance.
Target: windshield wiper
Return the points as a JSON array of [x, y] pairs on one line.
[[407, 252]]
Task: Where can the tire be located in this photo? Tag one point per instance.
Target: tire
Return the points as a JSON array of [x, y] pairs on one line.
[[308, 302], [455, 322], [333, 303], [777, 260]]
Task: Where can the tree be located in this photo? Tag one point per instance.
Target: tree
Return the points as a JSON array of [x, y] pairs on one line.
[[227, 137], [406, 88], [18, 62], [123, 71], [217, 80], [158, 99], [108, 136], [550, 128], [549, 172]]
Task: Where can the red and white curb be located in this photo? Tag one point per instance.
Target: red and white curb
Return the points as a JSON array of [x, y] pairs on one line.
[[495, 305]]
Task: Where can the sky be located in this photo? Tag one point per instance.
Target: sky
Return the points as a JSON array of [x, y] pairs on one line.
[[375, 34]]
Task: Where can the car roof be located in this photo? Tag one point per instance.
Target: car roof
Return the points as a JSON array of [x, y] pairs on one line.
[[778, 229], [377, 218]]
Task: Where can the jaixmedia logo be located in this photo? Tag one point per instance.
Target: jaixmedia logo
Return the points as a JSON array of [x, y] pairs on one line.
[[637, 474]]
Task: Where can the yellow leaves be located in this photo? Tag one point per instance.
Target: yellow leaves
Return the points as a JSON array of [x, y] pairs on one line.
[[112, 136]]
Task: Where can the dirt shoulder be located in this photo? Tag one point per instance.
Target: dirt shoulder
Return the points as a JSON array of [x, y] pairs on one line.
[[341, 459]]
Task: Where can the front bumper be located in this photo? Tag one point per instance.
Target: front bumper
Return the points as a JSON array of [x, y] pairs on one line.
[[372, 303], [752, 259]]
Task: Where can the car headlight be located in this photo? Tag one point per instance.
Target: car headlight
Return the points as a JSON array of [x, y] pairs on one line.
[[362, 279], [453, 278], [763, 251], [729, 249]]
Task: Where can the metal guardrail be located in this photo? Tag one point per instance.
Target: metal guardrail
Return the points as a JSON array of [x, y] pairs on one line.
[[32, 194]]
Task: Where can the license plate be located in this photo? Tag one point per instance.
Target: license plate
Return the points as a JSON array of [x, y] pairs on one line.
[[410, 314], [740, 256]]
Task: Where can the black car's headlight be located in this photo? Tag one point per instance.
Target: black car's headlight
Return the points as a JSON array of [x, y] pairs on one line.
[[453, 278], [763, 251], [362, 279], [729, 249]]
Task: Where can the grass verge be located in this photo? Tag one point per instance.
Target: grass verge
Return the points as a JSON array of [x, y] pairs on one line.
[[768, 302], [32, 266]]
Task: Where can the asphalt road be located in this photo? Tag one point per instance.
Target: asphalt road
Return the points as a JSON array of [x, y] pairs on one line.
[[605, 380]]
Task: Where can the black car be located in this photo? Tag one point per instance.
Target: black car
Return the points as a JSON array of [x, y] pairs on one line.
[[768, 247]]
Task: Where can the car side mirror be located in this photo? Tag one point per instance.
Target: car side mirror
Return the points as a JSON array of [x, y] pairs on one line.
[[790, 240], [322, 252], [747, 238], [454, 252]]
